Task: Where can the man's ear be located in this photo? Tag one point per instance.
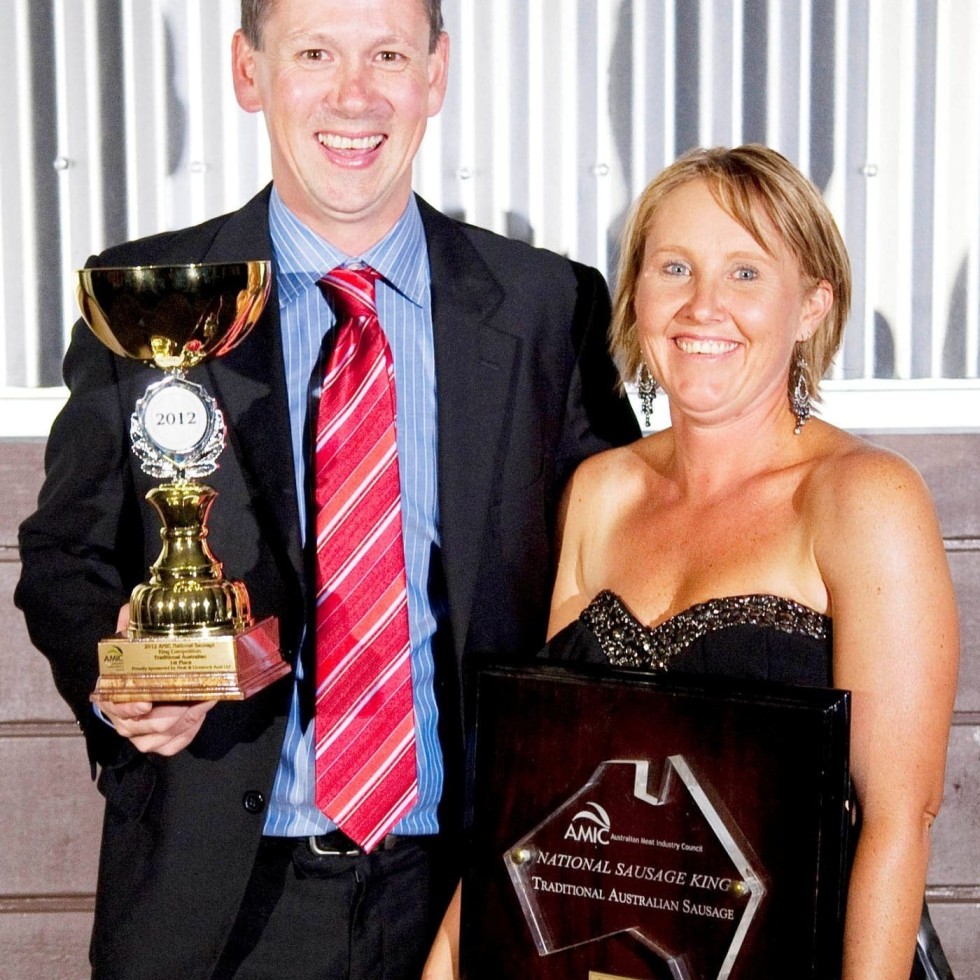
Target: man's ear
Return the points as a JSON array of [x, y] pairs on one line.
[[243, 73], [438, 73]]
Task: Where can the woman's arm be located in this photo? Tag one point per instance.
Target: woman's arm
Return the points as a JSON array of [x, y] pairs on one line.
[[565, 594], [879, 549], [588, 508]]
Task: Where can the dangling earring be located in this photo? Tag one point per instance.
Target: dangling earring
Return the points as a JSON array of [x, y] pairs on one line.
[[799, 398], [646, 388]]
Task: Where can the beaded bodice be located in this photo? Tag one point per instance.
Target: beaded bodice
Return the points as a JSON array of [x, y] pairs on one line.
[[626, 641]]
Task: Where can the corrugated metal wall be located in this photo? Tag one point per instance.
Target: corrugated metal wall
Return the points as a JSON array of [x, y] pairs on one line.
[[121, 122]]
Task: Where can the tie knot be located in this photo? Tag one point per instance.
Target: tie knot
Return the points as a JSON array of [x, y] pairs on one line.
[[350, 291]]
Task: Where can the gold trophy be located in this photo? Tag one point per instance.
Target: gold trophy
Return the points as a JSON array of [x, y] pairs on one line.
[[191, 636]]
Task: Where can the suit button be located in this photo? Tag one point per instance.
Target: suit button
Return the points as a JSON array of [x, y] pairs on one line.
[[253, 801]]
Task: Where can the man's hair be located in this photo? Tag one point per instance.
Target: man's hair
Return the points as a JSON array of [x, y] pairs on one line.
[[750, 183], [255, 12]]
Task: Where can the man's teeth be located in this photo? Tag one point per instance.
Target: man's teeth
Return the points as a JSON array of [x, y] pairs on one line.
[[706, 346], [334, 142]]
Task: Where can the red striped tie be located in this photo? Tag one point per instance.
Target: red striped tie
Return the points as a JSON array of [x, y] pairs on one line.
[[365, 722]]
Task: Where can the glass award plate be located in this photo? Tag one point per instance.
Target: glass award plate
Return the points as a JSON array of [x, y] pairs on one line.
[[664, 863]]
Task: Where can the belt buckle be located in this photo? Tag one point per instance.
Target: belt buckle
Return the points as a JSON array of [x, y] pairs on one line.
[[314, 845]]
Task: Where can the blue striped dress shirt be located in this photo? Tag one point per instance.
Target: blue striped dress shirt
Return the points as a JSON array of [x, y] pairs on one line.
[[404, 309]]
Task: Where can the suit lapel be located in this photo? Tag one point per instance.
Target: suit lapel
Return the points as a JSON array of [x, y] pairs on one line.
[[475, 359], [250, 388]]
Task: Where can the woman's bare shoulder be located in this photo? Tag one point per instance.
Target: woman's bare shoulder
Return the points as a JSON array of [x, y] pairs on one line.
[[861, 495], [849, 472], [616, 473]]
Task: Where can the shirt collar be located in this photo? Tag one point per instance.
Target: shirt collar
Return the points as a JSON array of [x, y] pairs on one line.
[[302, 256]]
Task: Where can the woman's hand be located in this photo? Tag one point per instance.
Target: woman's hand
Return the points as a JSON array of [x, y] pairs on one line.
[[443, 961]]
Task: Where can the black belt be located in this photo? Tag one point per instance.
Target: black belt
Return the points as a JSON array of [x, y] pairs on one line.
[[338, 844], [335, 844]]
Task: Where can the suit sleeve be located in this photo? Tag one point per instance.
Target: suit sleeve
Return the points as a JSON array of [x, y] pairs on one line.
[[597, 416], [82, 549]]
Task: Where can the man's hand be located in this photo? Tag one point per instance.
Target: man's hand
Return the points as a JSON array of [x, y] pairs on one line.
[[161, 728]]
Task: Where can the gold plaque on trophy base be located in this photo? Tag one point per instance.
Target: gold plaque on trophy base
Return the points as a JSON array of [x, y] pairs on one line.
[[190, 668]]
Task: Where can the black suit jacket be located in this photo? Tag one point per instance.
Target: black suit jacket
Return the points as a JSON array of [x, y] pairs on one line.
[[525, 390]]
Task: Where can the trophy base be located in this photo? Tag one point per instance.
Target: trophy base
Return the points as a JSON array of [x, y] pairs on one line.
[[190, 668]]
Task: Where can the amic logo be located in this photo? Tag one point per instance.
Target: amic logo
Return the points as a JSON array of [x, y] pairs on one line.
[[113, 655], [589, 826]]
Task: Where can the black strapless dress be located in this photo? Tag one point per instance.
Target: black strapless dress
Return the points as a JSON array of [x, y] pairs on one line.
[[746, 637], [757, 637]]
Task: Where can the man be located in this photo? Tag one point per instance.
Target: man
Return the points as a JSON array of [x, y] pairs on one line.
[[219, 857]]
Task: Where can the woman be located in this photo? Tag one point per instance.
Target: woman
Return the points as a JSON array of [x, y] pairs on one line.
[[733, 292]]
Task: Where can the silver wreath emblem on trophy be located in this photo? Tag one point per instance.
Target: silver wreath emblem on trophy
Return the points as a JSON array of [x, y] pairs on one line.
[[177, 430]]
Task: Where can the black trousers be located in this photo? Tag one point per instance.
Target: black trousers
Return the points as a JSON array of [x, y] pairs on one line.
[[358, 917]]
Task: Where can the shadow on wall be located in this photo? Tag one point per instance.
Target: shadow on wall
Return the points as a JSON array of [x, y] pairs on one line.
[[954, 348], [176, 109]]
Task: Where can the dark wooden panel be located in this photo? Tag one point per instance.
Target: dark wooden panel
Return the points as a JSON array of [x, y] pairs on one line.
[[28, 692], [965, 566], [21, 473], [959, 929], [950, 465], [45, 946], [956, 833], [51, 815]]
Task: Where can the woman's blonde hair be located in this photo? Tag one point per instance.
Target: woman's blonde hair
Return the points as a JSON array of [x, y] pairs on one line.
[[750, 183]]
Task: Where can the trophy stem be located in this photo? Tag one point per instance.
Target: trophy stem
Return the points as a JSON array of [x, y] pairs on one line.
[[186, 592]]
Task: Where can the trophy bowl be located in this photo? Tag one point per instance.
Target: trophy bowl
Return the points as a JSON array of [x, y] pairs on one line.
[[191, 635], [173, 316]]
